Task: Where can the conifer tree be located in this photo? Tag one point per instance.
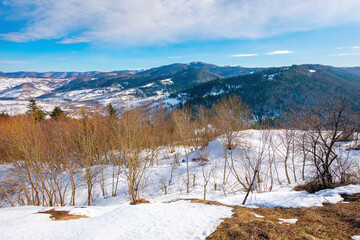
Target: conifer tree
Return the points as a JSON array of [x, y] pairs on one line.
[[33, 110], [57, 113], [111, 110]]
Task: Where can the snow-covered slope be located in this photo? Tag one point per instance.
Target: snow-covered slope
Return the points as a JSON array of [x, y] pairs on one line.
[[15, 94], [266, 92], [164, 218], [121, 88], [158, 221]]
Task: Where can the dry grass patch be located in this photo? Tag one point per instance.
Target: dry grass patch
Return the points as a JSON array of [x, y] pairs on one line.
[[62, 215], [197, 200], [208, 202], [139, 201], [340, 221]]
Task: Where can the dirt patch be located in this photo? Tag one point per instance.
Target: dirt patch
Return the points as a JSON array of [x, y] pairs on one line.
[[197, 200], [62, 215], [208, 202], [139, 201], [340, 221]]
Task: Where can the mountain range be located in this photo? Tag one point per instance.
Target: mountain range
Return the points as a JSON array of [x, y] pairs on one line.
[[265, 90]]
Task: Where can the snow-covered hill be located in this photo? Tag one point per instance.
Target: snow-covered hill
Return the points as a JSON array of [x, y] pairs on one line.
[[15, 94], [165, 181], [266, 91]]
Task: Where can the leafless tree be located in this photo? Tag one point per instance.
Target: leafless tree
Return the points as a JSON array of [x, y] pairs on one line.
[[184, 126], [230, 116], [134, 141], [327, 125]]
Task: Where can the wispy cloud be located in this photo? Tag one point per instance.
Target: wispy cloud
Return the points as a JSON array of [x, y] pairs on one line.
[[144, 22], [277, 52], [62, 58], [175, 57], [344, 54], [6, 61], [73, 40], [244, 55], [340, 48], [15, 37], [356, 47]]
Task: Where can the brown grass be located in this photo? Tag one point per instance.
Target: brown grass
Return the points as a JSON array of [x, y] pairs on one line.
[[139, 201], [340, 221], [208, 202], [62, 215], [197, 200]]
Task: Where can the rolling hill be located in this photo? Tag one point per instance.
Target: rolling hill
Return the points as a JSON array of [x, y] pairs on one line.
[[270, 91], [276, 90]]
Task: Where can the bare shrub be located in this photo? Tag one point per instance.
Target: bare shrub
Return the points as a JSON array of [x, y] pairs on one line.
[[230, 116]]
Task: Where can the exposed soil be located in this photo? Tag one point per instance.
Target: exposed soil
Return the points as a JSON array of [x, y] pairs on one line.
[[208, 202], [339, 221], [62, 215], [139, 201]]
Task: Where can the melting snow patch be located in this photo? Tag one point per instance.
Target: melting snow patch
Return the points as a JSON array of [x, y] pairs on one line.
[[357, 237], [312, 71], [148, 85], [271, 77], [180, 220], [292, 221], [215, 92], [286, 197], [172, 101], [167, 81], [258, 216]]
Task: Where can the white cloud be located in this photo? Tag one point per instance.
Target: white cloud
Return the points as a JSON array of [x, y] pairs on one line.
[[174, 57], [356, 47], [15, 37], [73, 40], [277, 52], [143, 22], [6, 61], [340, 48], [62, 59], [244, 55]]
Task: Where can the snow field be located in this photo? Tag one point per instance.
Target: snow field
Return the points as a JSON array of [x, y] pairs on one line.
[[160, 221], [114, 218]]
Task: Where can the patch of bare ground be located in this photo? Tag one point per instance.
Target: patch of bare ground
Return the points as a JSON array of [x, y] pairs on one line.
[[339, 221], [208, 202], [139, 201], [62, 215]]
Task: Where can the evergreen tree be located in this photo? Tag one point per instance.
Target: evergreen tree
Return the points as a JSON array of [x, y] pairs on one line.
[[32, 106], [33, 110], [111, 110], [57, 113]]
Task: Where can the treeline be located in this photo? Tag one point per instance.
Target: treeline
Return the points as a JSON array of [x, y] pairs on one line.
[[43, 149], [51, 157]]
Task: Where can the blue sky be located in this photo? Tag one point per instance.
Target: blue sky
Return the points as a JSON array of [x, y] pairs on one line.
[[108, 35]]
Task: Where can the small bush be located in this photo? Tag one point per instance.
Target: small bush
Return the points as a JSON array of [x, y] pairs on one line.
[[310, 187], [351, 197], [315, 186]]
